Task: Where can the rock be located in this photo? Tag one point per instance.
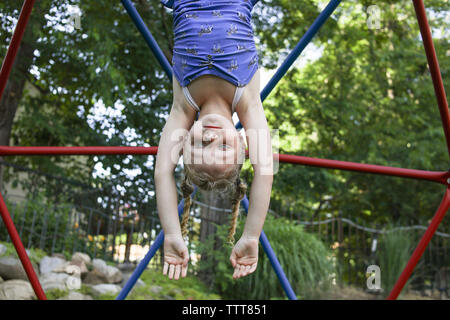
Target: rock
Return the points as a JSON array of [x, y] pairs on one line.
[[155, 289], [73, 295], [75, 268], [51, 284], [11, 268], [94, 277], [126, 277], [126, 267], [79, 256], [81, 267], [100, 265], [48, 264], [53, 280], [73, 283], [60, 268], [59, 255], [105, 288], [2, 249], [16, 290], [112, 274]]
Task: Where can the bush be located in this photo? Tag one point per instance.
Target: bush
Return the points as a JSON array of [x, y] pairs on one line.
[[39, 222], [395, 249], [305, 260], [35, 255]]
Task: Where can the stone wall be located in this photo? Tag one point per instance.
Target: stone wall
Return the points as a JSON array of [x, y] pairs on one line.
[[55, 272]]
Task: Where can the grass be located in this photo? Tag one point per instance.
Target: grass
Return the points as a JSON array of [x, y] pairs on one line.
[[393, 254], [189, 288], [35, 255]]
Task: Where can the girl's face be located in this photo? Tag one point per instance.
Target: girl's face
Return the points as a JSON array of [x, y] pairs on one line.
[[212, 145]]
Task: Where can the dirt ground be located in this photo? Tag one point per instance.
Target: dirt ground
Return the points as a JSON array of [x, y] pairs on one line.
[[352, 293]]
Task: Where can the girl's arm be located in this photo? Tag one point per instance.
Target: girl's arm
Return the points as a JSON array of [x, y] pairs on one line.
[[169, 150], [244, 256], [176, 255], [259, 144]]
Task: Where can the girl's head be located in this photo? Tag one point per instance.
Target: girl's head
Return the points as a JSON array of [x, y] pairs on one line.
[[213, 154]]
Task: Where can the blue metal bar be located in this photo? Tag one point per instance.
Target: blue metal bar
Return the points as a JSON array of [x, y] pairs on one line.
[[148, 37], [141, 267], [273, 259], [304, 41], [144, 262]]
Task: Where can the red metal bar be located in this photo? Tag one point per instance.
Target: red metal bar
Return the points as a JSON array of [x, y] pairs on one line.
[[14, 44], [5, 71], [435, 176], [417, 254], [16, 151], [23, 256], [445, 116], [434, 68]]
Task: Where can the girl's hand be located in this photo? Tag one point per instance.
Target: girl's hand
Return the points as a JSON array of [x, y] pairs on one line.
[[176, 256], [244, 257]]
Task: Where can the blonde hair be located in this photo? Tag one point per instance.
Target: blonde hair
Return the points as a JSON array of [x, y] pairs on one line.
[[228, 182]]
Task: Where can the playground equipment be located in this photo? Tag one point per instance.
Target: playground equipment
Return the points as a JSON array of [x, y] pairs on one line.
[[442, 177]]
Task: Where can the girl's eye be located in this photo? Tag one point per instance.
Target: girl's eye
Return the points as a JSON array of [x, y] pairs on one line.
[[224, 146]]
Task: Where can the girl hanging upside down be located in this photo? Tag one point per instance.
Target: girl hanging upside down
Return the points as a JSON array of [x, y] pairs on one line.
[[215, 67]]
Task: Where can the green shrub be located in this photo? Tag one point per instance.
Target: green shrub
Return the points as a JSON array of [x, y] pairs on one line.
[[35, 255], [38, 222], [55, 294], [395, 249], [304, 258]]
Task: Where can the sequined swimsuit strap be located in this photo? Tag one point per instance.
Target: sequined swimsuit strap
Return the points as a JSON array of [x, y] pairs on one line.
[[190, 100], [237, 96]]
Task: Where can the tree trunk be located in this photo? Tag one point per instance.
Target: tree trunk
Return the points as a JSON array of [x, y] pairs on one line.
[[14, 88], [210, 217], [128, 244]]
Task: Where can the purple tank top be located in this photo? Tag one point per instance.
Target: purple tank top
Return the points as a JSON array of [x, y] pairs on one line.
[[213, 37]]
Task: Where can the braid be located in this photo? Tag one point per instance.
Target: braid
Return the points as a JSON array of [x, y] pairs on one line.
[[239, 194], [187, 189]]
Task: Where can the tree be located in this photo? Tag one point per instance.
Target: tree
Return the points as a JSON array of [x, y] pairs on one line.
[[74, 75], [368, 99]]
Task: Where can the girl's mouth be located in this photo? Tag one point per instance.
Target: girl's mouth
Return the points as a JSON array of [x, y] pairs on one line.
[[212, 127]]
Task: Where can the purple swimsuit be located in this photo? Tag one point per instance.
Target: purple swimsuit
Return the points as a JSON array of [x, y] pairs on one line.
[[213, 37]]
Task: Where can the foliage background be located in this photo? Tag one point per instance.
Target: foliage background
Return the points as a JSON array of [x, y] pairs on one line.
[[368, 98], [307, 263]]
